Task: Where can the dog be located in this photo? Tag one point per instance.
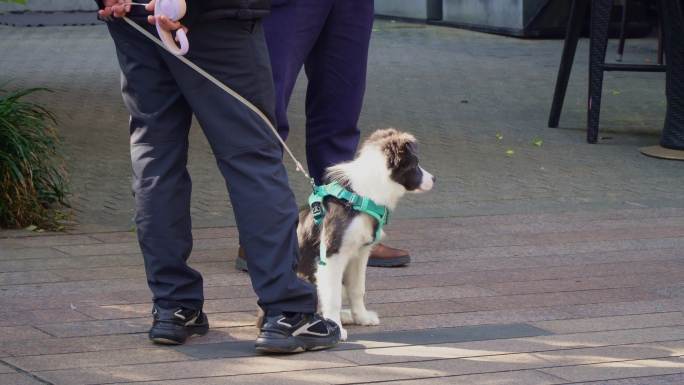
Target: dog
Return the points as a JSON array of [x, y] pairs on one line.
[[385, 168]]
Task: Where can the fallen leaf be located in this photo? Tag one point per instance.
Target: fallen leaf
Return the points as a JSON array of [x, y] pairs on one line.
[[499, 136], [616, 92], [510, 152], [32, 228], [537, 142]]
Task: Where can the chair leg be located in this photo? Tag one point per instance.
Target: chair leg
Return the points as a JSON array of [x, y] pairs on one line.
[[623, 30], [600, 20], [575, 23], [660, 43], [673, 25]]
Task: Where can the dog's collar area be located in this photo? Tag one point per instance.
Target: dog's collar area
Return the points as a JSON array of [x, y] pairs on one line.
[[359, 203]]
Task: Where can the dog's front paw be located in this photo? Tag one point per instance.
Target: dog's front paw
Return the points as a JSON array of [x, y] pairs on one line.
[[343, 334], [367, 318], [346, 317]]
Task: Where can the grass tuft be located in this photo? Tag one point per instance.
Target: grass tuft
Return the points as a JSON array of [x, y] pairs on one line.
[[33, 178]]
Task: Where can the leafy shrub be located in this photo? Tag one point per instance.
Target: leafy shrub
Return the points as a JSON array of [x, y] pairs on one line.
[[32, 173]]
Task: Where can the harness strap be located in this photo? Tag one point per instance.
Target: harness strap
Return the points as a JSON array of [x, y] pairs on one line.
[[322, 252], [359, 203]]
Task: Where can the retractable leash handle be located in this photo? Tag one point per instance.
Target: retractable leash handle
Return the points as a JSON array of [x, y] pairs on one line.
[[174, 10]]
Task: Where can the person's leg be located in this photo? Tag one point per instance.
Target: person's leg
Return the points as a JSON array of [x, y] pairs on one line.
[[250, 159], [336, 69], [159, 124], [291, 31], [248, 155], [279, 29]]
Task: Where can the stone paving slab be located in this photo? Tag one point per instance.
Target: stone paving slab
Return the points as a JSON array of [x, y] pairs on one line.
[[651, 380], [547, 272], [29, 277], [29, 253], [18, 333], [566, 357], [532, 225], [35, 317], [624, 308], [134, 325], [572, 248], [52, 240], [4, 368], [407, 353], [190, 369], [612, 323], [525, 377], [96, 359], [607, 371], [19, 379], [522, 377]]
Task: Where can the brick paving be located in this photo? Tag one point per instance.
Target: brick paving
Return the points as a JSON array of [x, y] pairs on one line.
[[559, 264]]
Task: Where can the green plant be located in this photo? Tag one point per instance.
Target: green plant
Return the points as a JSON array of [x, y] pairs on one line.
[[32, 173]]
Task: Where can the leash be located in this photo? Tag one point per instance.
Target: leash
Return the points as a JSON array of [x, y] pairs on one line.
[[363, 204], [300, 168]]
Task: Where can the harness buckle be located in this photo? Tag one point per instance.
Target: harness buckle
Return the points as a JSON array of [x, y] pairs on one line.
[[317, 211]]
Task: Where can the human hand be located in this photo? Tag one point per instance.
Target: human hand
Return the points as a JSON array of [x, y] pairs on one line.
[[116, 8]]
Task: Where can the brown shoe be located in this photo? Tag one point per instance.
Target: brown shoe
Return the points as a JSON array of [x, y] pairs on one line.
[[241, 260], [385, 256]]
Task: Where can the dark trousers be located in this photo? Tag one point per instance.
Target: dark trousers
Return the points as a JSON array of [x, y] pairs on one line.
[[162, 94], [330, 39]]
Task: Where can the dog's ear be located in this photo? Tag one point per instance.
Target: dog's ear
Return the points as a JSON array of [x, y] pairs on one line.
[[394, 151], [398, 149], [380, 135]]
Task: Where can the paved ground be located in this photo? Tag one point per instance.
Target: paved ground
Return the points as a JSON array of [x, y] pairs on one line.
[[510, 299], [557, 264], [454, 89]]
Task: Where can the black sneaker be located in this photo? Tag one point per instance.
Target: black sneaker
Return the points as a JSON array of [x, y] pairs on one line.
[[174, 326], [296, 333]]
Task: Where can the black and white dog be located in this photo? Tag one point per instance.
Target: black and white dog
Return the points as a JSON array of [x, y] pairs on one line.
[[385, 168]]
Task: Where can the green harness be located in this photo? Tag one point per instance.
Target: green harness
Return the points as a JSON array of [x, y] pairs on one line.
[[357, 202]]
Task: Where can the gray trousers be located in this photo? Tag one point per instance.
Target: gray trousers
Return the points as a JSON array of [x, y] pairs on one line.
[[162, 94]]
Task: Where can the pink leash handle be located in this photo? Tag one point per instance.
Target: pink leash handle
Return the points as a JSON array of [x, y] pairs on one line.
[[173, 10]]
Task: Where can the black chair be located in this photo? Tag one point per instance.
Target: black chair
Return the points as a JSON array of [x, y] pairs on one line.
[[673, 25], [599, 25], [623, 34]]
